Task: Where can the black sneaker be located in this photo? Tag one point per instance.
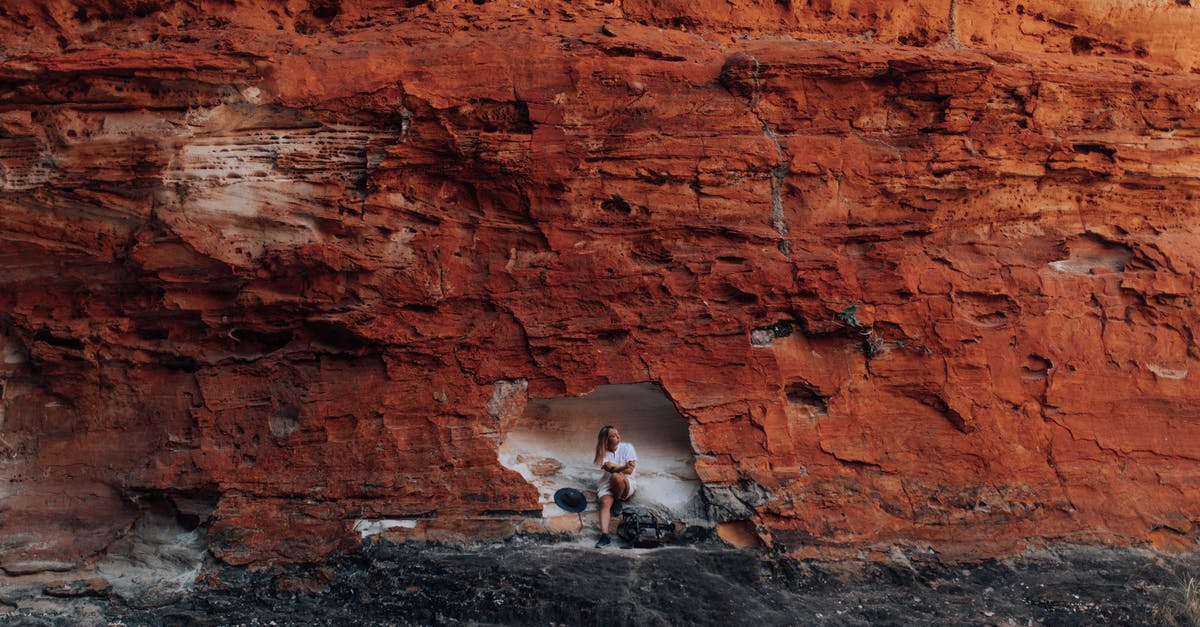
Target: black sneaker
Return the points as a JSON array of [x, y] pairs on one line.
[[617, 507], [603, 541]]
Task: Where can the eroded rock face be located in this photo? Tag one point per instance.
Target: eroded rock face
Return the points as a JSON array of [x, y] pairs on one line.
[[914, 272]]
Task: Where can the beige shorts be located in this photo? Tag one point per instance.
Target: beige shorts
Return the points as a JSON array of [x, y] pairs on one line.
[[604, 488]]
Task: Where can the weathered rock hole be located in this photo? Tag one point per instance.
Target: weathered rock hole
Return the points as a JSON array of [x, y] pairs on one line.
[[1089, 148], [44, 335], [552, 445], [1035, 367], [616, 204], [1082, 45], [325, 10], [331, 335], [807, 397], [152, 333], [1091, 254], [284, 420], [250, 341], [492, 116], [615, 336], [158, 560], [762, 337], [181, 363], [12, 352]]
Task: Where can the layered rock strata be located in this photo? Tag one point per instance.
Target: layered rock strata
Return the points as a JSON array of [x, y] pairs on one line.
[[917, 273]]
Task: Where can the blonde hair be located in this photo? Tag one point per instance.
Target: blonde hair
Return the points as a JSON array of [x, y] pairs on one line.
[[602, 444]]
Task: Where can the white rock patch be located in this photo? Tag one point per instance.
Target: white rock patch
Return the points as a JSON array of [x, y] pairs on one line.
[[367, 528], [1166, 373]]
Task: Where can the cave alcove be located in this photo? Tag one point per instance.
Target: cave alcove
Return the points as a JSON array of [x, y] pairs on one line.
[[553, 442]]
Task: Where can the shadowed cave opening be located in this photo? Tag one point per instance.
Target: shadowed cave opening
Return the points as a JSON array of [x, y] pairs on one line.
[[553, 442]]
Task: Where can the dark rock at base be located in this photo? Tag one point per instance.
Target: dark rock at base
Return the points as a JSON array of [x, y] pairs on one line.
[[519, 583], [94, 587]]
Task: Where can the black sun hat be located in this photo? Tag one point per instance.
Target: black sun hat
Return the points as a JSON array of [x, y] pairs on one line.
[[570, 499]]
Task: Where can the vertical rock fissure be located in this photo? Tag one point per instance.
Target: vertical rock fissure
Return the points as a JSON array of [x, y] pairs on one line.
[[951, 40], [777, 174]]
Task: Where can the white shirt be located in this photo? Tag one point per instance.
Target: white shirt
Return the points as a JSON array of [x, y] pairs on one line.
[[624, 453]]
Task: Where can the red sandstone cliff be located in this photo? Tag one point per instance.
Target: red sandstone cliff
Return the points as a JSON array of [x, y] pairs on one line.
[[913, 272]]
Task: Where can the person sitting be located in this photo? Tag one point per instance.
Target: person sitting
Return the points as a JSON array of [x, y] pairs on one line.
[[618, 460]]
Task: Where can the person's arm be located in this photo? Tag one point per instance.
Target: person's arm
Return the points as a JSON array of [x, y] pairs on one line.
[[625, 468]]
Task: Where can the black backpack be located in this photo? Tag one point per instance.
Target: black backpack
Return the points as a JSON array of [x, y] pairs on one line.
[[644, 529]]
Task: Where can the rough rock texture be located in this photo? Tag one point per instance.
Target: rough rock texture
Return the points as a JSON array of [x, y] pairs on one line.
[[523, 584], [914, 272]]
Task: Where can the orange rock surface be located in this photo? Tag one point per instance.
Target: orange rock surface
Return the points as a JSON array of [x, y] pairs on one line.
[[915, 273]]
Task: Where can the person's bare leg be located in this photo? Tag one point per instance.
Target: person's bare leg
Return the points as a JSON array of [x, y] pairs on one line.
[[605, 503], [620, 486]]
